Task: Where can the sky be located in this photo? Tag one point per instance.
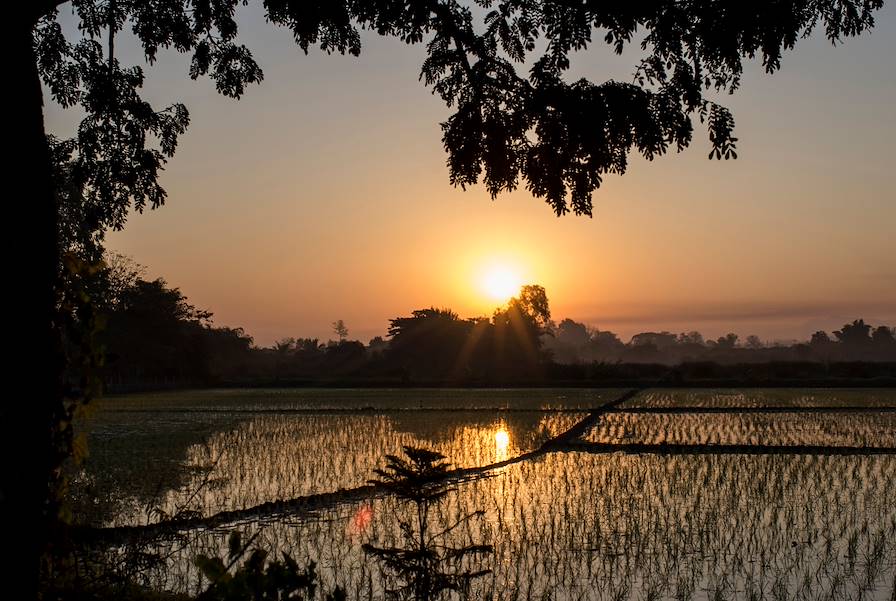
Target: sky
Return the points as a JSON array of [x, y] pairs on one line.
[[323, 194]]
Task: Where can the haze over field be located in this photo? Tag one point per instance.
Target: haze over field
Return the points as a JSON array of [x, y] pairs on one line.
[[335, 202]]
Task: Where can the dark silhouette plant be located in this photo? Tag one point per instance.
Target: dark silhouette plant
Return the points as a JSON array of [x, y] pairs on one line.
[[259, 579], [426, 566]]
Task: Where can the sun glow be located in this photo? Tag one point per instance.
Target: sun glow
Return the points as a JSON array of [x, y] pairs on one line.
[[500, 281]]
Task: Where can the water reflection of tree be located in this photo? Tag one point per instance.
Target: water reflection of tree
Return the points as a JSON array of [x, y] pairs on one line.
[[425, 566]]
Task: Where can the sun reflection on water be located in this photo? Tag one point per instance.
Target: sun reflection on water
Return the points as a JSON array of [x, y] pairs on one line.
[[502, 443]]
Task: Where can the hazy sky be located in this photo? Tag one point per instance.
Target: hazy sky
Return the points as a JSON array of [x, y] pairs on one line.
[[323, 194]]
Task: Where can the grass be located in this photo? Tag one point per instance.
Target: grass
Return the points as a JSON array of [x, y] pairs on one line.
[[564, 526], [573, 526], [376, 399], [765, 397]]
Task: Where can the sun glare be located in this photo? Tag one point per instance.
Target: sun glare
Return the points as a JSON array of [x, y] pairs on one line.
[[500, 282]]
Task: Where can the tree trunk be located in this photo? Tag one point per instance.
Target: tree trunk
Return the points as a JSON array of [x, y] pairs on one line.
[[32, 407]]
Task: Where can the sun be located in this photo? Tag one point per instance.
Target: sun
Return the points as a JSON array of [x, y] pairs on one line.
[[500, 282]]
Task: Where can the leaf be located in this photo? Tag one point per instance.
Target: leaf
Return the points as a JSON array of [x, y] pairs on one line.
[[211, 567]]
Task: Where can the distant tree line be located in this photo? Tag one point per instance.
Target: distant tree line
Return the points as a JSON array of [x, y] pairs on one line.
[[574, 342], [154, 337]]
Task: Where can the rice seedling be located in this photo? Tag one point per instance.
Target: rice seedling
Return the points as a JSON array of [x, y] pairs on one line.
[[570, 524]]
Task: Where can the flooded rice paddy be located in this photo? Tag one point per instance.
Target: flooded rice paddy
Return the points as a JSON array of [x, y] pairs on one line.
[[583, 517]]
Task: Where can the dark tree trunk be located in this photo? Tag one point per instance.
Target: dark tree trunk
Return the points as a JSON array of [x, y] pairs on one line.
[[33, 402]]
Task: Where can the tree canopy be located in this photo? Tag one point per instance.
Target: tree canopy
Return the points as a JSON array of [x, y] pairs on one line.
[[500, 65]]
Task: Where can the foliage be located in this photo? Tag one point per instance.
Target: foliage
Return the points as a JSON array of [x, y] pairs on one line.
[[857, 333], [531, 304], [155, 337], [80, 569], [425, 567], [502, 68], [437, 344], [80, 322], [340, 329], [518, 329], [89, 283], [754, 342], [728, 341], [431, 342], [154, 327], [258, 578], [154, 333]]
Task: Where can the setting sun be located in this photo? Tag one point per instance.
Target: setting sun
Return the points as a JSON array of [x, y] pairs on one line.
[[500, 282]]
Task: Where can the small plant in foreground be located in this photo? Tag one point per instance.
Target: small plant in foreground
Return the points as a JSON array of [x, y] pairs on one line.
[[259, 579], [426, 567]]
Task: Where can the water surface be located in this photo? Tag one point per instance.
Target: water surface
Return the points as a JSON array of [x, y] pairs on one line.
[[565, 525]]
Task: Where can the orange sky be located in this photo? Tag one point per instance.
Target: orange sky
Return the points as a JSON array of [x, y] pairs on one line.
[[323, 195]]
